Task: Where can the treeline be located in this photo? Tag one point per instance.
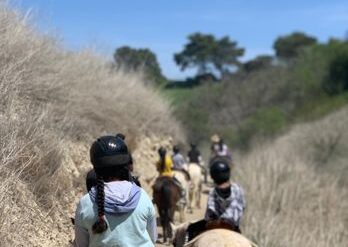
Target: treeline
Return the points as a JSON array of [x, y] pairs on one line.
[[303, 81], [213, 58]]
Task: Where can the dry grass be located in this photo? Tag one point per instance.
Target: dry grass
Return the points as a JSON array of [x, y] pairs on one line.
[[52, 102], [50, 97], [292, 200]]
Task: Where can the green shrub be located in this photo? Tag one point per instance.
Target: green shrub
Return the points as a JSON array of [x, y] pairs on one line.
[[266, 122], [239, 108], [337, 81]]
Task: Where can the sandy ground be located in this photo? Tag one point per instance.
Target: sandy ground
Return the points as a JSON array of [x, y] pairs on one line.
[[196, 215]]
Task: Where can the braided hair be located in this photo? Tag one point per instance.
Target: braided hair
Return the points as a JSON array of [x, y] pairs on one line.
[[110, 158], [100, 225], [162, 153]]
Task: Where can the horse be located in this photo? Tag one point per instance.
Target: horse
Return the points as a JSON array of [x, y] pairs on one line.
[[166, 195], [210, 238], [195, 172], [183, 179]]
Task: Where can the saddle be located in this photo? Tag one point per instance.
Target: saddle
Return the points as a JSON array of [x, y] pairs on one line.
[[161, 180], [187, 175]]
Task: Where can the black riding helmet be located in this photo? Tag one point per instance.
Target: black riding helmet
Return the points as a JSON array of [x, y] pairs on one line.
[[220, 172], [162, 151], [108, 153], [176, 149]]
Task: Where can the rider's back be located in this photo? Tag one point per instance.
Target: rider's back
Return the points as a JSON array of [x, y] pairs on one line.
[[124, 229], [166, 168], [194, 156], [178, 161]]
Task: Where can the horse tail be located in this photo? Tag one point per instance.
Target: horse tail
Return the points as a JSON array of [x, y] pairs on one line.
[[167, 193], [163, 162]]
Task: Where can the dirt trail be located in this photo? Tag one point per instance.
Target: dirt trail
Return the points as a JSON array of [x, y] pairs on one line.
[[197, 214]]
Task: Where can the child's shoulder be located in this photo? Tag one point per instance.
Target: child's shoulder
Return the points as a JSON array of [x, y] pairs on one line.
[[86, 198], [236, 187], [212, 191]]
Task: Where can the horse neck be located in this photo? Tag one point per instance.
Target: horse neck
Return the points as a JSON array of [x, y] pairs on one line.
[[180, 235]]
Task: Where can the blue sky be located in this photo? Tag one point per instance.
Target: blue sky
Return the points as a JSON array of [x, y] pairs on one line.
[[164, 25]]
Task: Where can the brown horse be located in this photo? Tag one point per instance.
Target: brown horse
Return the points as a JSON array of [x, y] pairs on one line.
[[166, 195]]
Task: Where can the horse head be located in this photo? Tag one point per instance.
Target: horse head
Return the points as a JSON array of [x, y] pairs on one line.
[[179, 234]]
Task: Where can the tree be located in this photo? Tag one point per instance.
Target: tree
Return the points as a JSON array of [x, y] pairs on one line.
[[207, 53], [260, 62], [139, 59], [289, 46], [337, 79], [226, 55]]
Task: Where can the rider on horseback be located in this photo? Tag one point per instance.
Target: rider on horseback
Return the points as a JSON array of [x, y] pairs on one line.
[[179, 163], [164, 167], [194, 155], [219, 148], [115, 212], [226, 203], [164, 164]]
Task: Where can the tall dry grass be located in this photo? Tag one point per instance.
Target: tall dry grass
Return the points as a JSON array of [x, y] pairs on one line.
[[49, 98], [293, 188]]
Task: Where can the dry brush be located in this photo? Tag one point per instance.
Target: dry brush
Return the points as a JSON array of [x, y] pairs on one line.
[[292, 199], [52, 104]]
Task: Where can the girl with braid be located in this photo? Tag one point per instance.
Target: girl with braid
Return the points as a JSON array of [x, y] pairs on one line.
[[115, 212]]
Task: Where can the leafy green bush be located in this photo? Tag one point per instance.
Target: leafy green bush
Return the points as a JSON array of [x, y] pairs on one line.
[[337, 81], [266, 122], [322, 69], [262, 102]]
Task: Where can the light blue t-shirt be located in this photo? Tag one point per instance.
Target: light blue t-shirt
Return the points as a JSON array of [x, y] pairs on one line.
[[136, 228]]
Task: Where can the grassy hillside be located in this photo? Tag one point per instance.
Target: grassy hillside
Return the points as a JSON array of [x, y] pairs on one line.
[[291, 130], [264, 102], [296, 186], [53, 104]]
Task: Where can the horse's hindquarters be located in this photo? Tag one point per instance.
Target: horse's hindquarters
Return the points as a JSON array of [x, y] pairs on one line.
[[218, 238], [195, 172], [166, 195]]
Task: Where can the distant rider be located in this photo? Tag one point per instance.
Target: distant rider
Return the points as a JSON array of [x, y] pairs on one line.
[[179, 163], [178, 159], [219, 150], [164, 167], [226, 203], [194, 155], [164, 164]]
